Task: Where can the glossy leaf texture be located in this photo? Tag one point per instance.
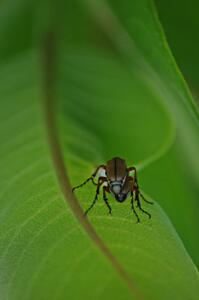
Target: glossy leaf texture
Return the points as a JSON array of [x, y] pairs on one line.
[[110, 98]]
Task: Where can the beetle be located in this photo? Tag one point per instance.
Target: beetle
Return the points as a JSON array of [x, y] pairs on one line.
[[117, 181]]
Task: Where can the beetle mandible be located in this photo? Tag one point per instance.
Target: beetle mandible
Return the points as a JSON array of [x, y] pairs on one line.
[[119, 183]]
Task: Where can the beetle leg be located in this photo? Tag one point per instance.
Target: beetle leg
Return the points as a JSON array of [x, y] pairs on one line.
[[131, 179], [136, 183], [100, 181], [147, 201], [134, 178], [135, 188], [133, 208], [87, 180], [90, 178], [106, 189], [139, 204], [135, 172]]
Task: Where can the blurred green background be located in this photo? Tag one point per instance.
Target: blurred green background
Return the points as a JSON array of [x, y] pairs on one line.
[[180, 23]]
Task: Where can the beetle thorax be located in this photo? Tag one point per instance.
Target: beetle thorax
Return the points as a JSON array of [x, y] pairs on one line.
[[116, 187]]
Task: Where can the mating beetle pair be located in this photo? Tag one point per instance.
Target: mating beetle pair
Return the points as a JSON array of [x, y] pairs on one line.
[[119, 183]]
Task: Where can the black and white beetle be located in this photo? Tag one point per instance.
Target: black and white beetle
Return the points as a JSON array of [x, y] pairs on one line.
[[119, 183]]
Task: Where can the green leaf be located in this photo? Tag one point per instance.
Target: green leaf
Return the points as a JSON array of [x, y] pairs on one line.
[[68, 104], [181, 26]]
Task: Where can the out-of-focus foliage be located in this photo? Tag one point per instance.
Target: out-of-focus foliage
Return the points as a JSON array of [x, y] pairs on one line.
[[181, 25]]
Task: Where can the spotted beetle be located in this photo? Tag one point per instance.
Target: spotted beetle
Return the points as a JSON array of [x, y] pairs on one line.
[[117, 181]]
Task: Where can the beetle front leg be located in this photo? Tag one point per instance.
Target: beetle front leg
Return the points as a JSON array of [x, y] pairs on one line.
[[90, 178], [106, 189], [100, 182]]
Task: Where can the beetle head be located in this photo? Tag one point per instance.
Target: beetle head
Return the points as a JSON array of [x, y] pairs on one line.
[[120, 197]]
